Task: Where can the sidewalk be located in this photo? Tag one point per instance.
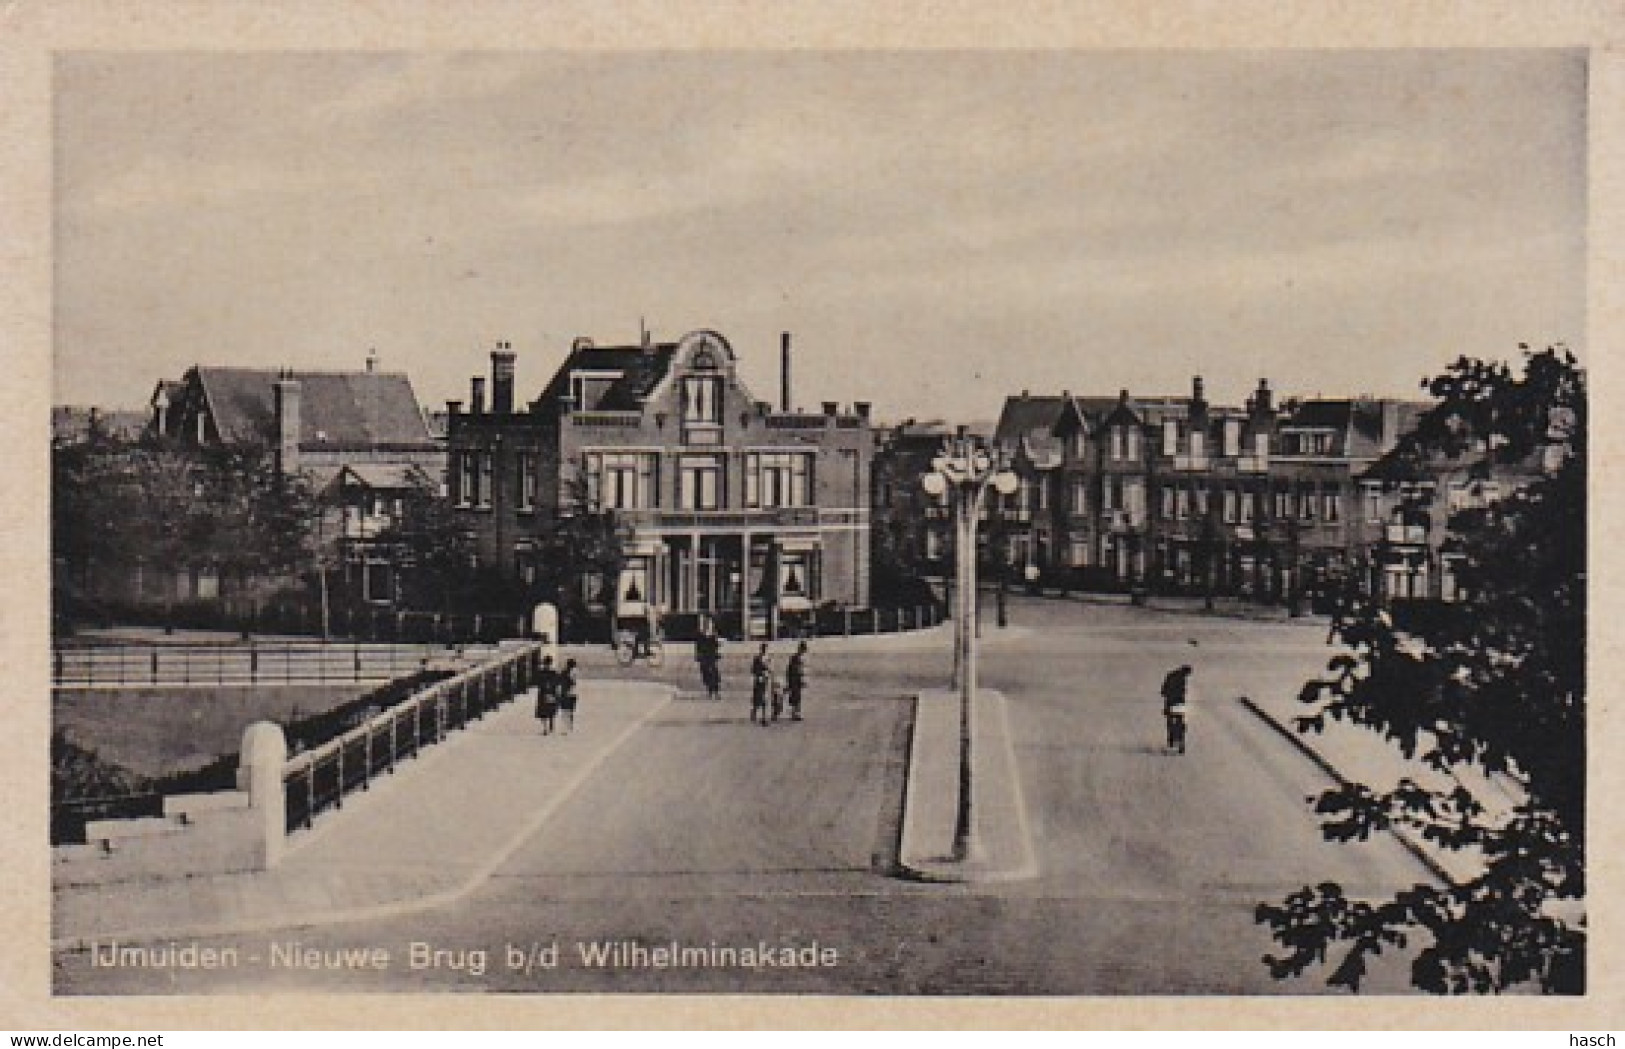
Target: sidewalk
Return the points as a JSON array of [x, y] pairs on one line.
[[426, 836]]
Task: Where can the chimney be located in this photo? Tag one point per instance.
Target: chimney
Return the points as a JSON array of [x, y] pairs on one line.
[[372, 360], [784, 372], [1262, 402], [862, 409], [476, 398], [453, 408], [502, 379], [1196, 391], [285, 394], [831, 407]]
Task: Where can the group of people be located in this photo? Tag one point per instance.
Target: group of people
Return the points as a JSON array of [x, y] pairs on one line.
[[556, 694], [769, 697]]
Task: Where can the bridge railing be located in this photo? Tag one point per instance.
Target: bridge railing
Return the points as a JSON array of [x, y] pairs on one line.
[[320, 778]]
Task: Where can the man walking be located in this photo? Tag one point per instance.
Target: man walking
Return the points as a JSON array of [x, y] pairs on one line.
[[796, 678], [1176, 690], [761, 684], [708, 654]]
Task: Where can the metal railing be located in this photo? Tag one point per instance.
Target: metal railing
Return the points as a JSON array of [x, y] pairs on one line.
[[316, 663], [319, 779]]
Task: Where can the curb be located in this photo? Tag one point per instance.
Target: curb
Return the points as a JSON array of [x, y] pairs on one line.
[[1405, 839]]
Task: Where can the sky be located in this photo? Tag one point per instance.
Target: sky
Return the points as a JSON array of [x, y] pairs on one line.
[[936, 229]]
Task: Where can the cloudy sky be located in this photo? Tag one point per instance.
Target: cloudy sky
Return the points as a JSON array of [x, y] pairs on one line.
[[936, 229]]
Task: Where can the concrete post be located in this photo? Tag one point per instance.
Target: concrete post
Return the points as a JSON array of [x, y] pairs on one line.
[[259, 772]]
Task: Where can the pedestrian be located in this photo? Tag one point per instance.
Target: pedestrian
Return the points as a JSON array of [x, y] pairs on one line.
[[761, 685], [547, 697], [568, 695], [1176, 696], [795, 676], [708, 654]]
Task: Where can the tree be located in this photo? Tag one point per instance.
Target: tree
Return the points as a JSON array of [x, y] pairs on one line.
[[584, 544], [157, 506], [1495, 684]]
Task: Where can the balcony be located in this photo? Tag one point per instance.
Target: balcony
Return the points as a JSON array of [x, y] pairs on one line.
[[1190, 462], [1253, 464], [606, 420], [732, 518]]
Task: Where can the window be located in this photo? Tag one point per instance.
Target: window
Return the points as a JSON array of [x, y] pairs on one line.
[[1283, 504], [1201, 502], [1134, 501], [527, 481], [1261, 445], [1182, 504], [1229, 506], [1114, 493], [778, 479], [1168, 500], [1373, 504], [1080, 496], [1232, 437], [1117, 444], [1247, 499], [702, 399], [587, 389], [1306, 503], [1331, 508], [1170, 437], [466, 478], [1198, 444], [622, 480], [1134, 443], [486, 464], [1080, 444], [1078, 553], [1043, 493], [699, 482]]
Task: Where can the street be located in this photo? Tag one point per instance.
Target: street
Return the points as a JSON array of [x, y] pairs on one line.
[[704, 829]]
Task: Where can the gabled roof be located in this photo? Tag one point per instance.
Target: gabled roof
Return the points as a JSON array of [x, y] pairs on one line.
[[1027, 414], [336, 409], [639, 370]]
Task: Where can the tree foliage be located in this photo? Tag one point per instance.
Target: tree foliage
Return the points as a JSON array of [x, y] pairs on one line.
[[1494, 687], [168, 507]]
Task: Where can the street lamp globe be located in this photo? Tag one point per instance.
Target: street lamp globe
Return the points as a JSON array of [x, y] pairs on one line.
[[934, 483], [1006, 482]]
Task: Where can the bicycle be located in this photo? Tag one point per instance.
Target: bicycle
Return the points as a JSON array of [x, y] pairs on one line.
[[1176, 730], [631, 647]]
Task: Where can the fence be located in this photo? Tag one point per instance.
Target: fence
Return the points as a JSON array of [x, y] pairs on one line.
[[319, 779], [315, 663]]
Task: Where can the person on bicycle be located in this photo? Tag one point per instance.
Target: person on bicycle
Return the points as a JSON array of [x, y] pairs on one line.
[[708, 654], [1176, 693]]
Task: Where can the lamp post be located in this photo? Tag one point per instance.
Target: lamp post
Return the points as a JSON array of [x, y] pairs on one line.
[[964, 471]]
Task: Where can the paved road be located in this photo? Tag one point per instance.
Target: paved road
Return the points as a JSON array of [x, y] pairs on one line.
[[704, 829]]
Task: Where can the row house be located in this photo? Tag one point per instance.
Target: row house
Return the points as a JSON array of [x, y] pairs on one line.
[[1175, 493], [731, 509]]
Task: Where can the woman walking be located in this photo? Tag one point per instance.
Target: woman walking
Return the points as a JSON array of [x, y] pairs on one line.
[[547, 695], [567, 694]]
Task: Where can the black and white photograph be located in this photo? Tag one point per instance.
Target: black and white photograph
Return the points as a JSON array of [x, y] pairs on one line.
[[1005, 524]]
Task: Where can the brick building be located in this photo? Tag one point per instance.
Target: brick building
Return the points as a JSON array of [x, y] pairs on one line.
[[732, 509], [1177, 494]]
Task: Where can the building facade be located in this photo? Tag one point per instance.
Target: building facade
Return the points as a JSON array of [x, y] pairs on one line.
[[1176, 494], [730, 509]]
